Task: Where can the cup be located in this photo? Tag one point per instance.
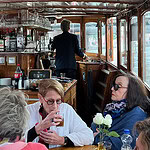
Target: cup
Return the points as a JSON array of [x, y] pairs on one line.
[[107, 145], [62, 75], [61, 122]]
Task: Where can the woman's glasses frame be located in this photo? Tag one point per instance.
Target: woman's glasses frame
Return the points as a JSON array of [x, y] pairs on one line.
[[116, 86], [51, 102]]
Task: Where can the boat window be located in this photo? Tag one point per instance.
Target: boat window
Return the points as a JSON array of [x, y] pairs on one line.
[[146, 48], [103, 40], [112, 27], [74, 28], [91, 37], [123, 42], [134, 45]]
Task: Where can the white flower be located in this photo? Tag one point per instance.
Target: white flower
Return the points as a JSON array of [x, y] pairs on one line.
[[108, 120], [98, 119]]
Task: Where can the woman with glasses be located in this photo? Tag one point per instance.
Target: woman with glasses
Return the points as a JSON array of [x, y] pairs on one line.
[[129, 105], [46, 115]]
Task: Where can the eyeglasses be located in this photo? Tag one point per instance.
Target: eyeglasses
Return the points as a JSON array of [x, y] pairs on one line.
[[116, 86], [51, 102]]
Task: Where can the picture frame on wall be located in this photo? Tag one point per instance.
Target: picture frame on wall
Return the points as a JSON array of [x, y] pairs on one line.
[[2, 60], [11, 60]]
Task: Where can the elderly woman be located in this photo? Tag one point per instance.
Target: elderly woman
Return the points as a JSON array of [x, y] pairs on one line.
[[46, 115], [143, 140], [13, 121], [129, 105]]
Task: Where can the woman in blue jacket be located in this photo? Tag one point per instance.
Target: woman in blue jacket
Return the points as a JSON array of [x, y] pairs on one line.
[[129, 105]]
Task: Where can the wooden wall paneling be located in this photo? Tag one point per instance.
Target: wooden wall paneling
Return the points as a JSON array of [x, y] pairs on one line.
[[140, 45], [87, 78]]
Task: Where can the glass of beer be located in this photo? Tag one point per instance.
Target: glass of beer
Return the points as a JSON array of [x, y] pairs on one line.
[[61, 122]]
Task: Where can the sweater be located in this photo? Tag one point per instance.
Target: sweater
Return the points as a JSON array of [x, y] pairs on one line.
[[74, 127]]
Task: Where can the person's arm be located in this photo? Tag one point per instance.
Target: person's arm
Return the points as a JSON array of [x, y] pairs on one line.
[[80, 134], [77, 48], [31, 135]]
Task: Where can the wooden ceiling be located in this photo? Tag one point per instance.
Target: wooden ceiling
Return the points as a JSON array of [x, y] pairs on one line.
[[62, 8]]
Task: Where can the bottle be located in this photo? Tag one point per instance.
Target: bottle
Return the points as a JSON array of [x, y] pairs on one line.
[[126, 139], [20, 83], [17, 75]]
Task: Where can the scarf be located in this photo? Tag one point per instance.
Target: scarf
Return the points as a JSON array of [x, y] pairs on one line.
[[116, 108]]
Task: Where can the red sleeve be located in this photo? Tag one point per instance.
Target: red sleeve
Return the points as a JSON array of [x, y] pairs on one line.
[[33, 146]]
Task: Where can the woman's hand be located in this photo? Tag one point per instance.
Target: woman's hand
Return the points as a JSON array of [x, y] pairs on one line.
[[97, 131], [51, 137], [52, 119]]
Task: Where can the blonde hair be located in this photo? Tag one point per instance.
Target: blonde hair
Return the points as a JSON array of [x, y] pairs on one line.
[[13, 114], [46, 85]]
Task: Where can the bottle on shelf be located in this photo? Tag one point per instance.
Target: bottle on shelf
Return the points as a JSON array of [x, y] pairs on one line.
[[126, 139], [17, 75]]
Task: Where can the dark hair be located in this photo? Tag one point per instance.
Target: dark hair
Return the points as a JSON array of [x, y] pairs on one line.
[[136, 93], [143, 127], [65, 25]]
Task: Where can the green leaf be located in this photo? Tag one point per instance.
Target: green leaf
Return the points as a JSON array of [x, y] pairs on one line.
[[105, 131], [114, 134]]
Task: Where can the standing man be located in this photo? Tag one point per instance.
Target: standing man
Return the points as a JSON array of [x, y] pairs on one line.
[[66, 45]]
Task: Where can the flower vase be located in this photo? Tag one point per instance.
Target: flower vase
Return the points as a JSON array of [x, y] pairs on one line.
[[104, 145], [101, 146]]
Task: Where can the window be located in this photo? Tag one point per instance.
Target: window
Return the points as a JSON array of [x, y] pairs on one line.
[[112, 28], [74, 28], [91, 37], [123, 42], [134, 45], [103, 40], [146, 48]]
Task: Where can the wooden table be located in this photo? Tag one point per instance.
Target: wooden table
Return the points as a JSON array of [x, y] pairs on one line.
[[88, 147]]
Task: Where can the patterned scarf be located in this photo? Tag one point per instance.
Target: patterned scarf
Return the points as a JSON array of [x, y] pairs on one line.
[[116, 108]]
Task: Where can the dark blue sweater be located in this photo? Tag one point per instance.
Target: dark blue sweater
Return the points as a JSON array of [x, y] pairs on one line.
[[125, 121]]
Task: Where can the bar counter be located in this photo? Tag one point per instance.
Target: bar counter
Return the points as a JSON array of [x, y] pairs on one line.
[[88, 147]]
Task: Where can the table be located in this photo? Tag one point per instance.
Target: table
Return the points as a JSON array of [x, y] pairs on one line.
[[88, 147]]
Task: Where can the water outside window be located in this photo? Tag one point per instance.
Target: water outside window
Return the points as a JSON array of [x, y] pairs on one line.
[[91, 37], [146, 48]]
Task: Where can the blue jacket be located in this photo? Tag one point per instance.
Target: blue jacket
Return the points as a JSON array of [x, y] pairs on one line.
[[66, 45], [125, 121]]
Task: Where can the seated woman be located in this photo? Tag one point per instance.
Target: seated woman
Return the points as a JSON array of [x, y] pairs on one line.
[[143, 140], [129, 105], [46, 115], [13, 120]]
